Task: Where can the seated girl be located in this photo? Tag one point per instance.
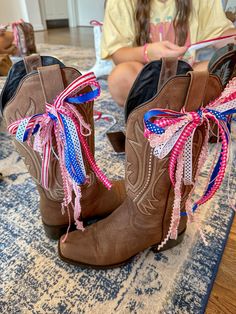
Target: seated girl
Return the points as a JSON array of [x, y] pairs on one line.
[[138, 31]]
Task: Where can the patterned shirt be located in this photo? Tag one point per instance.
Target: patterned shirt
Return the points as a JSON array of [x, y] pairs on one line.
[[207, 20]]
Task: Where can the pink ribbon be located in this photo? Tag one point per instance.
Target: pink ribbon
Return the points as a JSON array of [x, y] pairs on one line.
[[16, 32]]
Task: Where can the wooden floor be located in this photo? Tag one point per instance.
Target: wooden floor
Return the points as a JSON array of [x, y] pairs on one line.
[[223, 295], [78, 36]]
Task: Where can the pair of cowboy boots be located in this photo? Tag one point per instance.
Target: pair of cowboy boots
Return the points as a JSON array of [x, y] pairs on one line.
[[143, 219]]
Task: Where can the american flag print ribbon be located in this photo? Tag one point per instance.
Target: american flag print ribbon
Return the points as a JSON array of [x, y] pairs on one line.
[[171, 134], [63, 122]]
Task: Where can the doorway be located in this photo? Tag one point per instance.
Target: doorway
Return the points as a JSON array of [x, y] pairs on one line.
[[72, 12], [54, 13]]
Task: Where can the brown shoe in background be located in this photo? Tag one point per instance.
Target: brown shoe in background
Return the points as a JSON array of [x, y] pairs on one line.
[[26, 94], [5, 64], [143, 220]]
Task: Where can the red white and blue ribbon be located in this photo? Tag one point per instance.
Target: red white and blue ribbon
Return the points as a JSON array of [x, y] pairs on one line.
[[171, 132], [63, 122]]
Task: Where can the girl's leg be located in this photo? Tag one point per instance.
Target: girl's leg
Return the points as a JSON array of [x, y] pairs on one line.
[[121, 80]]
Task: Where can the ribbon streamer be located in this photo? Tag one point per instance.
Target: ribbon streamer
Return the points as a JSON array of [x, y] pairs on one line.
[[15, 30], [172, 132], [63, 122]]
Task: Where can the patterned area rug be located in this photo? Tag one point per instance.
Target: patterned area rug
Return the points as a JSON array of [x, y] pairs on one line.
[[82, 59], [35, 280]]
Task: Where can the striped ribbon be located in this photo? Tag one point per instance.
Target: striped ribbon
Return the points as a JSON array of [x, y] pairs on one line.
[[171, 132], [15, 30], [63, 122]]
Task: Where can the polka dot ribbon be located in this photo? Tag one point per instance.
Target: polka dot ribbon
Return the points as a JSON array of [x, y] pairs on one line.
[[66, 125], [171, 133]]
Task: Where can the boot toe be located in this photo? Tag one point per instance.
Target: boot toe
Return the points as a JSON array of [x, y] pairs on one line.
[[79, 248]]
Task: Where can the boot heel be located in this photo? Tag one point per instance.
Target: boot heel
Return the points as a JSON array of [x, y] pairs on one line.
[[171, 243], [55, 232]]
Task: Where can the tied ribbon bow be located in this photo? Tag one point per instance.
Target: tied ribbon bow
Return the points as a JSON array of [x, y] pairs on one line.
[[172, 132], [63, 122]]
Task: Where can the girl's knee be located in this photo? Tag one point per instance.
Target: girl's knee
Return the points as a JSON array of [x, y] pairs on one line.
[[121, 79], [124, 74]]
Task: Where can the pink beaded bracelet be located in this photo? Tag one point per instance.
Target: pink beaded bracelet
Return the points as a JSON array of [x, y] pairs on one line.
[[145, 53]]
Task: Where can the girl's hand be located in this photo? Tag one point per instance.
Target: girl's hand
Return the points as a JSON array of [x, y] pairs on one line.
[[158, 50]]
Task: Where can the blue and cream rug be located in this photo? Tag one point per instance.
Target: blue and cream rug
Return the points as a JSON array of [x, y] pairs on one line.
[[35, 280]]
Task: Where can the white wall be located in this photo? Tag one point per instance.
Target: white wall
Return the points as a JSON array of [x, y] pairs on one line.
[[28, 10], [34, 14], [90, 10], [12, 10]]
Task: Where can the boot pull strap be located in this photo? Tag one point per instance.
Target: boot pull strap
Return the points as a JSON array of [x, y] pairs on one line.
[[32, 63], [51, 81], [168, 69], [196, 90]]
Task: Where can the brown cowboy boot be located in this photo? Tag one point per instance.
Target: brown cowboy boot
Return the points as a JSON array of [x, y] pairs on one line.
[[33, 91], [143, 219]]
